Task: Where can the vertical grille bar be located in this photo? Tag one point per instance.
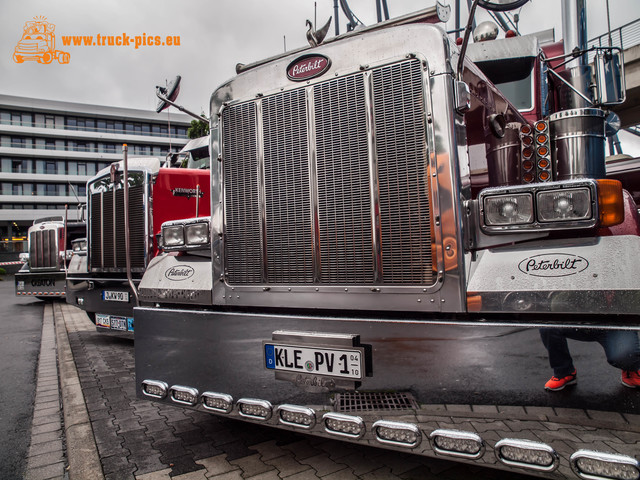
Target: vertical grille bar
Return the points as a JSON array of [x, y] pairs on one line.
[[242, 216], [344, 201], [403, 174], [286, 184]]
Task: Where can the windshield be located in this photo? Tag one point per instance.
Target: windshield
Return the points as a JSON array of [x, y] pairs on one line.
[[514, 81], [198, 158]]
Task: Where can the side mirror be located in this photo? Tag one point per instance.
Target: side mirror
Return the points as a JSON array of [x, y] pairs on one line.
[[609, 77]]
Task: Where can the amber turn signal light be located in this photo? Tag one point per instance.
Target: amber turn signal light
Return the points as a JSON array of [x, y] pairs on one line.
[[610, 202]]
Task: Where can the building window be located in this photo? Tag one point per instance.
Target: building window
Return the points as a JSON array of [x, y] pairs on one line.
[[49, 121], [51, 167]]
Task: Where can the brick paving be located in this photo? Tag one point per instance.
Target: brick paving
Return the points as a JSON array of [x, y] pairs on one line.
[[152, 441]]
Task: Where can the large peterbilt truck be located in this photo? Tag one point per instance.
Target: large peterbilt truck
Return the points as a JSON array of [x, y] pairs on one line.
[[391, 241], [50, 241], [97, 279]]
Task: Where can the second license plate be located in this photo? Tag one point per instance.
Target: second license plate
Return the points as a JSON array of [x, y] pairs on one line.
[[114, 296]]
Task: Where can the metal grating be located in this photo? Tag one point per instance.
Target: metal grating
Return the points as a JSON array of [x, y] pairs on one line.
[[242, 207], [107, 247], [369, 401], [298, 171], [289, 241], [344, 187], [43, 249], [401, 149]]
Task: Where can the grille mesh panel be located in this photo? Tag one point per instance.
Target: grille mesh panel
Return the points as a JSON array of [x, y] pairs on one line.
[[368, 401], [287, 196], [242, 207], [43, 249], [344, 200], [273, 242], [105, 231], [403, 174]]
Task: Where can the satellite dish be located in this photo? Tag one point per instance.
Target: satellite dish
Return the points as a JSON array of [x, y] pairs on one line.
[[501, 5], [170, 92]]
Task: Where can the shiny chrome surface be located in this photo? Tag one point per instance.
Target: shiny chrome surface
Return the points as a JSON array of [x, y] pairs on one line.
[[577, 143], [584, 462], [475, 444], [545, 458], [106, 230], [44, 249], [304, 412], [357, 427], [359, 231]]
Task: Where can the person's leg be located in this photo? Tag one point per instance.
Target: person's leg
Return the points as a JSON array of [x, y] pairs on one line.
[[622, 349], [555, 341]]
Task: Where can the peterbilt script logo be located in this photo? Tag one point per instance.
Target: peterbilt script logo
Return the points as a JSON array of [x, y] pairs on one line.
[[177, 274], [187, 192], [553, 265], [307, 66]]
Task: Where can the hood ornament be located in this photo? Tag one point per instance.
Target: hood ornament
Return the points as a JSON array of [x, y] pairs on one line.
[[315, 37]]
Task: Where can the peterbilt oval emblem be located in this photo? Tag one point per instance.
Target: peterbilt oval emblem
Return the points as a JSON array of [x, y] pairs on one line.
[[179, 273], [553, 265], [307, 66]]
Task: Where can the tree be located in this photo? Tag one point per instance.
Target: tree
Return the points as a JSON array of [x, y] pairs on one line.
[[198, 128]]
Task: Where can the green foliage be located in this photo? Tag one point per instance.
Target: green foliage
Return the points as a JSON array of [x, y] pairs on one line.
[[198, 128]]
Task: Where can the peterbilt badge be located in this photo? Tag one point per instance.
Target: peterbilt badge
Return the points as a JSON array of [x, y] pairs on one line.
[[179, 273], [307, 66], [553, 265]]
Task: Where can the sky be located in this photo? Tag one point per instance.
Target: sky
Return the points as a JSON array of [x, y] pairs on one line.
[[214, 36]]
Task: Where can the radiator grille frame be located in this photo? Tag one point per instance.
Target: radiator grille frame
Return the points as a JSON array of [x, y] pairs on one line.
[[325, 178], [106, 237], [44, 247]]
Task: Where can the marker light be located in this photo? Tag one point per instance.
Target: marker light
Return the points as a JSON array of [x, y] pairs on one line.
[[597, 465], [525, 129], [543, 163], [526, 454], [256, 409], [508, 209], [543, 151], [295, 416], [343, 425], [564, 204], [541, 126], [172, 236], [457, 444], [527, 164], [398, 434], [154, 388], [541, 138], [217, 402], [610, 202], [544, 176], [183, 395], [527, 152]]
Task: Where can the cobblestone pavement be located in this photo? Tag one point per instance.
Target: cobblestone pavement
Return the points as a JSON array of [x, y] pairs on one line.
[[148, 441]]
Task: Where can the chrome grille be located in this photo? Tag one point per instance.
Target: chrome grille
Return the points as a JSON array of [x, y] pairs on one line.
[[43, 249], [107, 243], [242, 208], [401, 151], [289, 241], [344, 199], [329, 184]]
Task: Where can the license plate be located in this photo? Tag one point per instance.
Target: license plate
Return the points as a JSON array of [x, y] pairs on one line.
[[113, 322], [21, 285], [113, 296], [314, 360]]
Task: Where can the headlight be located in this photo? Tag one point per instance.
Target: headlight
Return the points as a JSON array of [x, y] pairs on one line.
[[563, 205], [79, 245], [196, 234], [191, 234], [508, 209], [172, 236]]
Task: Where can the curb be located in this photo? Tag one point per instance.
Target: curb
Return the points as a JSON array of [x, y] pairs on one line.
[[82, 452]]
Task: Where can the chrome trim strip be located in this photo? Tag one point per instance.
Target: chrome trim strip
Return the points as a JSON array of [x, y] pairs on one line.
[[397, 426], [155, 383], [255, 402], [218, 396], [604, 457], [340, 417], [183, 389], [313, 184]]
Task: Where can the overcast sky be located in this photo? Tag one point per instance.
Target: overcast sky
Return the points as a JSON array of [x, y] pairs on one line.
[[214, 36]]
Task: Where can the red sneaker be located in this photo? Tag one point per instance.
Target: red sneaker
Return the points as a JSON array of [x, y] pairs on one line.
[[555, 383], [630, 378]]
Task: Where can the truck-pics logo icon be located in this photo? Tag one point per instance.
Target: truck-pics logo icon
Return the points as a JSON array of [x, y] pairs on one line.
[[38, 43]]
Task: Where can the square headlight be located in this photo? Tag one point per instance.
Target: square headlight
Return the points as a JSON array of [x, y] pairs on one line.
[[514, 209], [172, 236], [196, 234], [564, 205]]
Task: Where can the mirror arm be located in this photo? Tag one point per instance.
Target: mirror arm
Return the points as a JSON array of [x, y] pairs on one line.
[[465, 41], [575, 90], [180, 107]]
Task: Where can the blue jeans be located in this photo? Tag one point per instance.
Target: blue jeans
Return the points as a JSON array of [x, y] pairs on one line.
[[620, 346]]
